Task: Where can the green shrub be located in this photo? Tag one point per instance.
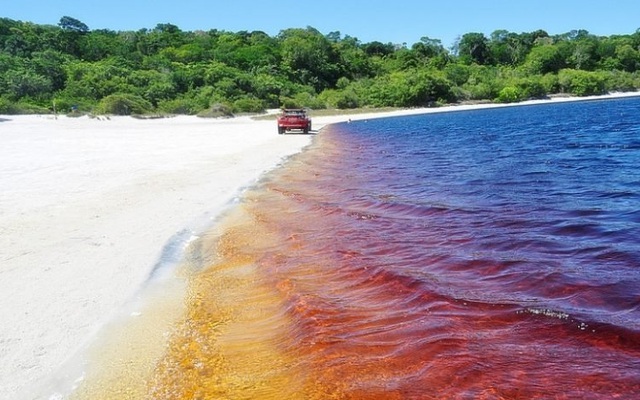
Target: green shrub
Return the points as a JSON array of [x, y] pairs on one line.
[[581, 83], [287, 102], [329, 98], [482, 91], [182, 106], [248, 105], [217, 111], [620, 81], [123, 104], [459, 94], [342, 83], [510, 94], [347, 99], [550, 83], [456, 73], [308, 100], [15, 108], [303, 100], [532, 87], [64, 105], [7, 107]]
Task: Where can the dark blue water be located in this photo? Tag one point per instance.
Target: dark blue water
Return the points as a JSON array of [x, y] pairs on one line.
[[480, 254], [551, 193]]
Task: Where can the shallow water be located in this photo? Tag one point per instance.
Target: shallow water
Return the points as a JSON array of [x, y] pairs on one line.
[[478, 254]]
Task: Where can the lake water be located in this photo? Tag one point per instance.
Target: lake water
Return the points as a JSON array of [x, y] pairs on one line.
[[477, 254]]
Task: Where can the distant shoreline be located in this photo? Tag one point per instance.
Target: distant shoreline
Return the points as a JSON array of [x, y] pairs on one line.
[[466, 107], [345, 114]]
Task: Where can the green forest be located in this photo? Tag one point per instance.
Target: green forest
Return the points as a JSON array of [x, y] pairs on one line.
[[164, 70]]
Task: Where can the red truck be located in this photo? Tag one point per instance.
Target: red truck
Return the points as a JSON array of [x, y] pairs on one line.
[[294, 119]]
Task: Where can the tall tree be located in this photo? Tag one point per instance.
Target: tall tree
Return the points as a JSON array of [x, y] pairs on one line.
[[72, 31], [73, 25], [309, 58], [474, 47]]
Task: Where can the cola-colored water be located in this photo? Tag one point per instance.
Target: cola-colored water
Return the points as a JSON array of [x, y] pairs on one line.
[[490, 254]]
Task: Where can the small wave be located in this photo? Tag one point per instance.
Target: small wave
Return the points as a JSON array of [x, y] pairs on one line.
[[396, 207], [594, 212], [619, 194], [545, 312], [172, 253], [631, 259], [577, 230]]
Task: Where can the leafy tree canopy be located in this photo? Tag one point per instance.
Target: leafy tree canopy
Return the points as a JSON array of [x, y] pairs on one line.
[[166, 69], [72, 24]]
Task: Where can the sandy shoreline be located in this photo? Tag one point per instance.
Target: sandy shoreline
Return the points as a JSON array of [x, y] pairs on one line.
[[88, 205], [86, 208]]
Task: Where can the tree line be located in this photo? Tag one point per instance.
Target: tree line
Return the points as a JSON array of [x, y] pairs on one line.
[[46, 68]]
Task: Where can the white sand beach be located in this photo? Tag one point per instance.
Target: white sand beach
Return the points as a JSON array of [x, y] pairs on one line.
[[88, 205]]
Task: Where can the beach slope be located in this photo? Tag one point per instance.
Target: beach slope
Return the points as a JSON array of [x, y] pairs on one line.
[[86, 208]]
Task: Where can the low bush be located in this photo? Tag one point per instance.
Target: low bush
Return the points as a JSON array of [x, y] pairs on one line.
[[218, 110], [123, 104], [509, 94], [183, 106], [248, 105], [7, 107], [581, 83]]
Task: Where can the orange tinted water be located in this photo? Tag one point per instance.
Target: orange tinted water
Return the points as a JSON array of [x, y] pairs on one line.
[[232, 341]]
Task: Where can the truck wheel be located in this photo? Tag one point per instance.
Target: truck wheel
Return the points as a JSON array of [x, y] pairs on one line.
[[281, 130]]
